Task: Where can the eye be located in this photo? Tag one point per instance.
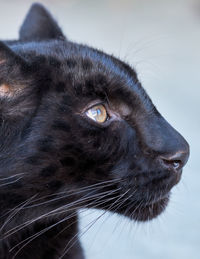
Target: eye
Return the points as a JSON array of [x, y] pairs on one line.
[[97, 113]]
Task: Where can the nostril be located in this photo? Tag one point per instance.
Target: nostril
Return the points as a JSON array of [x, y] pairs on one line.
[[175, 164], [176, 160]]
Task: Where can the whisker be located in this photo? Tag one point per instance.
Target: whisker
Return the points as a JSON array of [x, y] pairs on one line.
[[10, 177], [68, 193], [67, 206], [12, 215], [74, 237], [90, 225], [31, 238], [35, 236], [98, 186], [117, 207], [95, 206], [4, 184]]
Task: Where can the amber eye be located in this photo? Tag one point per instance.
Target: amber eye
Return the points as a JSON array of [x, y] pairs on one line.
[[97, 113]]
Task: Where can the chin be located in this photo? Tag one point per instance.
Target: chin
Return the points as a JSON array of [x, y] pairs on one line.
[[146, 212], [150, 211]]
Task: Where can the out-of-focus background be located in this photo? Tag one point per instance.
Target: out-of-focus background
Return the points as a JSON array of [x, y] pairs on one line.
[[161, 39]]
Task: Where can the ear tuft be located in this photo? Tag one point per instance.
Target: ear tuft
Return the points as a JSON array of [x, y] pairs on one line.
[[39, 25]]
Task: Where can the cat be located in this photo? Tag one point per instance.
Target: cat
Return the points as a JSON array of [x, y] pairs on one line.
[[77, 130]]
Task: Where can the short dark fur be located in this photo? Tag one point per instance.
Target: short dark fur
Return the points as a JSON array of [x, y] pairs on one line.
[[55, 160]]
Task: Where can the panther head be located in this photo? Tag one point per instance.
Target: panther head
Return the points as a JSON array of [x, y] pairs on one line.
[[78, 130]]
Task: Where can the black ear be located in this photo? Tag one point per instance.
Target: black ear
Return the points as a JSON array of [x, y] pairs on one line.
[[13, 69], [39, 25]]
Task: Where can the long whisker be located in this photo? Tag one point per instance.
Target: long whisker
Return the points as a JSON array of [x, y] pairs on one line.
[[10, 177], [12, 215], [90, 225], [29, 239], [95, 205], [120, 204], [34, 236], [68, 193], [68, 206], [4, 184], [75, 236], [24, 204]]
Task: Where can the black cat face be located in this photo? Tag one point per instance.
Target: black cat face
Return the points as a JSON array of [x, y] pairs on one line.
[[77, 121]]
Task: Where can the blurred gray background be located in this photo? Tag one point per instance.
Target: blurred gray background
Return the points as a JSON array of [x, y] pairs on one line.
[[161, 39]]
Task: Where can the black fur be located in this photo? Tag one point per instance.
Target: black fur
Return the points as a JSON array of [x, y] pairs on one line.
[[55, 160]]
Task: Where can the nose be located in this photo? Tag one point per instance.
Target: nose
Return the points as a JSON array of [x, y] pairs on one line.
[[175, 161], [169, 147]]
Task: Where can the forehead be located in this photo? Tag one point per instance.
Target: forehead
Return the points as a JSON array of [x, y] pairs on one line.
[[89, 73]]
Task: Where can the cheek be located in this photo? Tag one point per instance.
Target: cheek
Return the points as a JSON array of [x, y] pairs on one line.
[[105, 145], [99, 150], [113, 143]]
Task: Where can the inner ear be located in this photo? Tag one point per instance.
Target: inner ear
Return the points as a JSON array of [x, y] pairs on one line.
[[39, 25], [6, 90], [10, 90]]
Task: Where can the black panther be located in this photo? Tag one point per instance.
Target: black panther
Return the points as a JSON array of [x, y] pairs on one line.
[[77, 130]]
